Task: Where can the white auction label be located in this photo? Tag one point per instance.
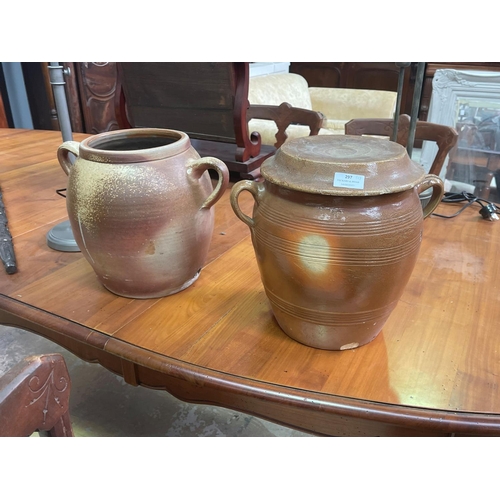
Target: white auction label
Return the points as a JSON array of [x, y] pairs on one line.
[[352, 181]]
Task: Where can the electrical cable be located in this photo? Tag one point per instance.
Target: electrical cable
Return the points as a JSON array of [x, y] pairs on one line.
[[488, 211]]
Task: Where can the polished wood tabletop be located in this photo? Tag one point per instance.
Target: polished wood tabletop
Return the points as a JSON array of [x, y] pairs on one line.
[[433, 370]]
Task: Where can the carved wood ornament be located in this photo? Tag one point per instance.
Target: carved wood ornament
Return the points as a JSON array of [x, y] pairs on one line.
[[34, 396]]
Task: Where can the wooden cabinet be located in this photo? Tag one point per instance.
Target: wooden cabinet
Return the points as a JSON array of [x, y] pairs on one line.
[[90, 93], [3, 114], [91, 88]]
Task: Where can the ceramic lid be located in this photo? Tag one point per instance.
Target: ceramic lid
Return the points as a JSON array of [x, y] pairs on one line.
[[342, 165]]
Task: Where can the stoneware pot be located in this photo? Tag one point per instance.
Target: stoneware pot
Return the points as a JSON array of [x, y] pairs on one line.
[[141, 206], [336, 227]]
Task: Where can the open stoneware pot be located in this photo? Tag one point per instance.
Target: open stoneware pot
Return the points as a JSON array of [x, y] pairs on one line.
[[141, 207], [336, 227]]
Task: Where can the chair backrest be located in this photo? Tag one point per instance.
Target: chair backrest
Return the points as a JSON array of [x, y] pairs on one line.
[[445, 137], [206, 100], [382, 127], [34, 396]]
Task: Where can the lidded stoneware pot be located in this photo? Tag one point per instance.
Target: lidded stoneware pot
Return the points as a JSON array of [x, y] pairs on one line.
[[141, 207], [336, 227]]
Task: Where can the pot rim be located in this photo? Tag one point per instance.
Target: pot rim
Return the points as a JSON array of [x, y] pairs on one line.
[[90, 148]]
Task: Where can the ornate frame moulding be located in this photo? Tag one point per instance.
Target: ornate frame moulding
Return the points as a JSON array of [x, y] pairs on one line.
[[449, 88]]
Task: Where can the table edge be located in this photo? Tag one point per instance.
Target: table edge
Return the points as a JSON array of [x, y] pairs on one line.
[[195, 384]]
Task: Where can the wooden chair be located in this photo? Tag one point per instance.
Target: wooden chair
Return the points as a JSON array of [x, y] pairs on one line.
[[208, 101], [445, 137], [34, 396]]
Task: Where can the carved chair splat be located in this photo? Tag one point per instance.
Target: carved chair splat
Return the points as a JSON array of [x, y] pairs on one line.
[[34, 396]]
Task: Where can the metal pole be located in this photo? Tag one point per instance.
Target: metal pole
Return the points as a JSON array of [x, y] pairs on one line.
[[57, 81], [402, 66], [417, 92], [60, 237]]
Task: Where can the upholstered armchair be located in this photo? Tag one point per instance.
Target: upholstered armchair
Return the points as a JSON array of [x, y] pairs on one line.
[[338, 105]]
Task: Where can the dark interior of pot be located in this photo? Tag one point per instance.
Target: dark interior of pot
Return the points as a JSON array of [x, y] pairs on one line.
[[127, 143]]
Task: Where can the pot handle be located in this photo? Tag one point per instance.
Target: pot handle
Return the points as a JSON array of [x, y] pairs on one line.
[[63, 154], [437, 185], [197, 168], [253, 188]]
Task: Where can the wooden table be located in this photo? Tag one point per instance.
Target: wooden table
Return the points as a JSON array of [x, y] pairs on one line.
[[433, 370]]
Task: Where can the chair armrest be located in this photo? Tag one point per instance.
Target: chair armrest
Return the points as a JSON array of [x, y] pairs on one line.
[[285, 115]]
